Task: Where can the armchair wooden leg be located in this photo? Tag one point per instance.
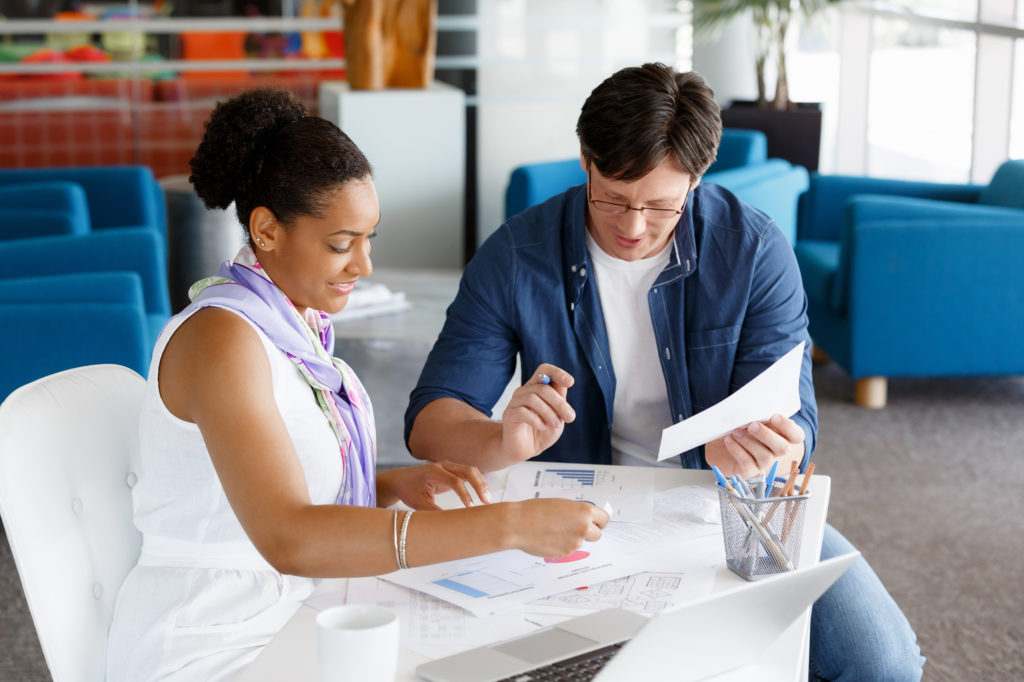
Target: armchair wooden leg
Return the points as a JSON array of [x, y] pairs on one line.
[[870, 392], [819, 356]]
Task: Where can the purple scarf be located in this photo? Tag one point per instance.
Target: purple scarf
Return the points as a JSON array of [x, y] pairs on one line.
[[244, 287]]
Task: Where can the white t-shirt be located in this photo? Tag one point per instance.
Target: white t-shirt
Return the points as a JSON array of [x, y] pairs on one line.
[[640, 410]]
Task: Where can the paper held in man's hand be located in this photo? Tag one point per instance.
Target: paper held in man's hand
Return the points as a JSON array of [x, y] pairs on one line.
[[774, 391]]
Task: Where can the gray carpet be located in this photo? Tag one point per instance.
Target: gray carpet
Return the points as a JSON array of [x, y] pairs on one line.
[[929, 489]]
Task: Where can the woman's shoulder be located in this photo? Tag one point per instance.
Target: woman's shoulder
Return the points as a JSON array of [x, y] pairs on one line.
[[211, 332], [212, 347]]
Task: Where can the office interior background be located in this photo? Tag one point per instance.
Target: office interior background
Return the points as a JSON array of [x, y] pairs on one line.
[[927, 91]]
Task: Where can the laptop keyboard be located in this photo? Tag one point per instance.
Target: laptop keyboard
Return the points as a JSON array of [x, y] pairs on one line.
[[576, 669]]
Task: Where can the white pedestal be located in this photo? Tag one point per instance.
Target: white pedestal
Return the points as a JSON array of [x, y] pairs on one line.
[[415, 140]]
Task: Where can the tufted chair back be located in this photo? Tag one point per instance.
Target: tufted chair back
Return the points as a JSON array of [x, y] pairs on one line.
[[66, 446]]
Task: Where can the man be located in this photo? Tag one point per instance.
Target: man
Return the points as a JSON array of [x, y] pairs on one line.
[[652, 298]]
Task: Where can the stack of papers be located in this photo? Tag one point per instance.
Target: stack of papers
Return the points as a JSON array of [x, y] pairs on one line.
[[371, 299], [661, 548]]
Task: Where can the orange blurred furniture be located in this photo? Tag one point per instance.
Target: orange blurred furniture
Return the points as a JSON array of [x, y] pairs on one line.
[[216, 45]]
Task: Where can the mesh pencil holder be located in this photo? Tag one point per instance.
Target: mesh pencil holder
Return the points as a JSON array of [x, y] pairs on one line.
[[762, 535]]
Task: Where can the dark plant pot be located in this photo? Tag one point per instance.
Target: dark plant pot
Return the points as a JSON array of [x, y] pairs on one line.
[[793, 135]]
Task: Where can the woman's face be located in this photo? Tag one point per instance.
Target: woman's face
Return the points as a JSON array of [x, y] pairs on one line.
[[316, 261]]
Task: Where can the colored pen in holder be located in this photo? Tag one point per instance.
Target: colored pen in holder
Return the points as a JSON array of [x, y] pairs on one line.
[[762, 535]]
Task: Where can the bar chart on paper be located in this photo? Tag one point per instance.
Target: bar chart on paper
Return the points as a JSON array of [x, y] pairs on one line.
[[569, 478], [625, 492], [479, 584]]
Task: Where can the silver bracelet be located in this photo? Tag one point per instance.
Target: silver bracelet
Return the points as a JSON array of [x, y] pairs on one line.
[[394, 536], [401, 543]]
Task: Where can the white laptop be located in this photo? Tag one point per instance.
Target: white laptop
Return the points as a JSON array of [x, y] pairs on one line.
[[712, 636]]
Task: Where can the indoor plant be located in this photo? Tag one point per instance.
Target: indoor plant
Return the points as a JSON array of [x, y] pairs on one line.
[[793, 130], [772, 20]]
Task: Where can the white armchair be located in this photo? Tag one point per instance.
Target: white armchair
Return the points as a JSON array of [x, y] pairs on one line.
[[67, 443]]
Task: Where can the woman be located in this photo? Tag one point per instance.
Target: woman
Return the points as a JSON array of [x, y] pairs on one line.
[[256, 470]]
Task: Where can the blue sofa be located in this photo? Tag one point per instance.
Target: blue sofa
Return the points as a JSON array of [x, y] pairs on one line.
[[83, 270], [771, 185], [111, 196], [63, 321], [913, 279], [67, 301], [37, 209]]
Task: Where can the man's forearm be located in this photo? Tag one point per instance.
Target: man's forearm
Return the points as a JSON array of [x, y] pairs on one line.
[[450, 429]]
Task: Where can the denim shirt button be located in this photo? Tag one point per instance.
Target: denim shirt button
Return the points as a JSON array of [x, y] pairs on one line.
[[572, 306], [583, 272], [573, 268]]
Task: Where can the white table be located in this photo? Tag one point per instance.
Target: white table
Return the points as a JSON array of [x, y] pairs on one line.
[[291, 654]]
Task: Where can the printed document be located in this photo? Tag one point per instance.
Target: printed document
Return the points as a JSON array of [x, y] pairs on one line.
[[774, 391], [496, 582], [625, 490]]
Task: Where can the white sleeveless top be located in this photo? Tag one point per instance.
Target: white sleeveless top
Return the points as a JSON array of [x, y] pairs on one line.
[[202, 602]]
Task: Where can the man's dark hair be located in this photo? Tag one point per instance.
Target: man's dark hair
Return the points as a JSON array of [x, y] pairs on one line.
[[641, 115]]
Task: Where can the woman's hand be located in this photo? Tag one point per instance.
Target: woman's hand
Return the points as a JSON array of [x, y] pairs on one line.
[[416, 486], [750, 450], [536, 414], [554, 527]]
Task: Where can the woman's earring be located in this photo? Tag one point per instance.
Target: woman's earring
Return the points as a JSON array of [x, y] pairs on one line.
[[261, 243]]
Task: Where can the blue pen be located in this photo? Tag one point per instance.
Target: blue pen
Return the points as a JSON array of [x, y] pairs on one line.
[[544, 378], [771, 478], [721, 479]]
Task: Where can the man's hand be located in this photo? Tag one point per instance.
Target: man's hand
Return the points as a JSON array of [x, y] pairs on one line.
[[537, 414], [752, 449]]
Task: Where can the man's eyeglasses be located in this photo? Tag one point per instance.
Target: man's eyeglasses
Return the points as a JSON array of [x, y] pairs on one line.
[[619, 209]]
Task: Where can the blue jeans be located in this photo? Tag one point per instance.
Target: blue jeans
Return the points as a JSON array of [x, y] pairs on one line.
[[858, 633]]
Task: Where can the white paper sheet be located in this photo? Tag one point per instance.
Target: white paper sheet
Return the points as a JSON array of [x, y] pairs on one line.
[[647, 593], [497, 582], [680, 515], [432, 627], [627, 490], [774, 391]]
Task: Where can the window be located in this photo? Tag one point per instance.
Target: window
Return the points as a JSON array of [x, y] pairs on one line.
[[920, 102]]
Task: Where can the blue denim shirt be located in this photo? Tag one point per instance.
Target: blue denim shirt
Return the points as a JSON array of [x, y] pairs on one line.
[[729, 304]]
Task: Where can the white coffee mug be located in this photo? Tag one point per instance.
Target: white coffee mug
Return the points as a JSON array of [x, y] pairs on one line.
[[357, 643]]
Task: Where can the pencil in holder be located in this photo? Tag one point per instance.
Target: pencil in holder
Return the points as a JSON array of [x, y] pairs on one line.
[[762, 535]]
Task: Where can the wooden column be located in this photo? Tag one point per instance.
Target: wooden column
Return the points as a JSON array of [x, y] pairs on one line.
[[390, 43]]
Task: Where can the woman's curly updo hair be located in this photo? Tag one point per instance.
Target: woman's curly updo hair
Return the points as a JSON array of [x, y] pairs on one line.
[[261, 149]]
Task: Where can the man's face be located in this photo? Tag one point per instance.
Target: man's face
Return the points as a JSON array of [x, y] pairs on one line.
[[635, 234]]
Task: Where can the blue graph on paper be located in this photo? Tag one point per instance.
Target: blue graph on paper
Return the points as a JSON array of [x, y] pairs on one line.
[[571, 476], [478, 584]]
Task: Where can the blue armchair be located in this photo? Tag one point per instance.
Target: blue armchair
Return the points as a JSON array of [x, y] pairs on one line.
[[114, 196], [771, 185], [68, 301], [37, 209], [62, 321], [83, 269], [909, 279]]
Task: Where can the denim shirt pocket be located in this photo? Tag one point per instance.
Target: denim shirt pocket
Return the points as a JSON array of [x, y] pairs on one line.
[[710, 356]]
